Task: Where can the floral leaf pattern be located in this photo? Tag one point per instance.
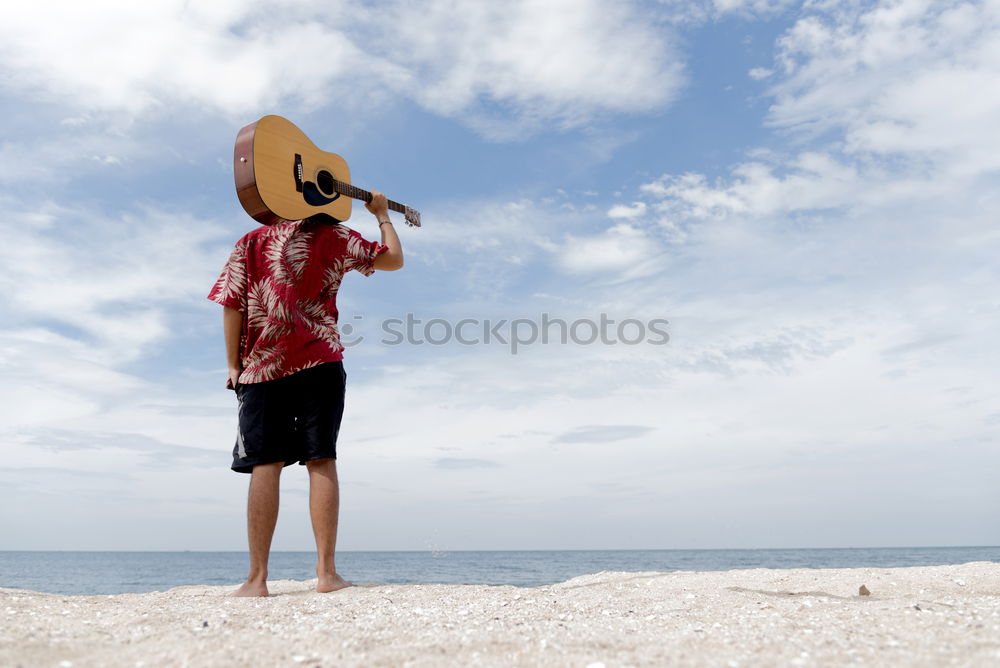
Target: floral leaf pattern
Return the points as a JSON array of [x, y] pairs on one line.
[[263, 363], [287, 253], [361, 252], [320, 322], [230, 289], [332, 277], [286, 327]]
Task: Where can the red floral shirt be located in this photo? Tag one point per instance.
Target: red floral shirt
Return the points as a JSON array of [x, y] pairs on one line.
[[284, 279]]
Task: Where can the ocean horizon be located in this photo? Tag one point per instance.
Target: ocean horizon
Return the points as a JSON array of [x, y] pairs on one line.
[[120, 572]]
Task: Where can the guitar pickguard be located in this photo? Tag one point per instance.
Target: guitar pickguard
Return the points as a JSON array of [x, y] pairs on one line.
[[312, 195]]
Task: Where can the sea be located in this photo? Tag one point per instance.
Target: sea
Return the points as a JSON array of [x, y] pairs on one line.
[[99, 573]]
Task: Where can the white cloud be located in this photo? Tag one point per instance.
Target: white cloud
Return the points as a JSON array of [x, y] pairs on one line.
[[37, 160], [618, 250], [888, 225], [635, 210], [166, 55], [813, 180], [905, 95], [547, 60], [499, 67], [112, 279], [912, 78]]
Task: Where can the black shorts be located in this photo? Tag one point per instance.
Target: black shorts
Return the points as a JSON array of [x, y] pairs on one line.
[[291, 419]]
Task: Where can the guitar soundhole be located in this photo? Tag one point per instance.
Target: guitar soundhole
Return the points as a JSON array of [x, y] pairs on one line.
[[324, 180]]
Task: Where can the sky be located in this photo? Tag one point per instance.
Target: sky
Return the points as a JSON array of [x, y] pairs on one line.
[[802, 195]]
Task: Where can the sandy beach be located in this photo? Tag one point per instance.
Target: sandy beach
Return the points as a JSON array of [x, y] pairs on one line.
[[923, 616]]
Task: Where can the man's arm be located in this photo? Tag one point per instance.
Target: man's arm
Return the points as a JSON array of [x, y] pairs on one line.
[[392, 259], [232, 327]]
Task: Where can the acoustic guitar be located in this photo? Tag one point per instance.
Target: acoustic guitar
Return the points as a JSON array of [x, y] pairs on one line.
[[281, 175]]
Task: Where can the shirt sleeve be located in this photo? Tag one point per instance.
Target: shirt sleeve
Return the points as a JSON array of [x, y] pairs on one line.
[[231, 288], [361, 253]]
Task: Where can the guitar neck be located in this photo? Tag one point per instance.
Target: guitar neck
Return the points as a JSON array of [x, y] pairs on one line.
[[363, 195]]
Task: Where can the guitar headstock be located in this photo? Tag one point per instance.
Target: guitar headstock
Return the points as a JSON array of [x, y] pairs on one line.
[[412, 217]]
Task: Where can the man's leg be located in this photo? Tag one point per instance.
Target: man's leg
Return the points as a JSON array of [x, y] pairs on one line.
[[324, 507], [262, 515]]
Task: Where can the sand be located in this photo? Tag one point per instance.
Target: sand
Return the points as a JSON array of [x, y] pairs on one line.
[[925, 616]]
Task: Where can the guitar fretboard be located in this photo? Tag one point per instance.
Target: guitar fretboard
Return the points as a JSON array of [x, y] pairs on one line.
[[363, 195]]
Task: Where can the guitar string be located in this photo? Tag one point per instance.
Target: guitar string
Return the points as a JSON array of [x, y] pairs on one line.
[[364, 195]]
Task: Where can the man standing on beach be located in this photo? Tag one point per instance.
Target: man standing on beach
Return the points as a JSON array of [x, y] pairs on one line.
[[285, 358]]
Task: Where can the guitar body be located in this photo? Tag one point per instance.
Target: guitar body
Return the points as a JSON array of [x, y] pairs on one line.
[[281, 175]]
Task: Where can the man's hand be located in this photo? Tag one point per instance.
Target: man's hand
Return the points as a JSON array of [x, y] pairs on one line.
[[378, 206], [234, 378]]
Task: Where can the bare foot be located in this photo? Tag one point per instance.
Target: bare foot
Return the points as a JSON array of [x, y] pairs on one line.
[[252, 589], [328, 583]]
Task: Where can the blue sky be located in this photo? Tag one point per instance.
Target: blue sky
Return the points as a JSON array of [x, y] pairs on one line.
[[807, 192]]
